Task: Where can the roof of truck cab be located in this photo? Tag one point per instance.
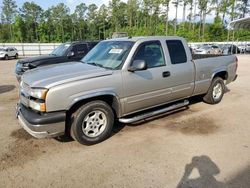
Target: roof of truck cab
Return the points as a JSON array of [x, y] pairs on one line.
[[135, 39]]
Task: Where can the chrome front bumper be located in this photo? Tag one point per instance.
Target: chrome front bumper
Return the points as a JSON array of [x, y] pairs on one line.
[[40, 130]]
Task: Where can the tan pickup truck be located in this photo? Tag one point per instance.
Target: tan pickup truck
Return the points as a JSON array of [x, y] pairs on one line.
[[128, 79]]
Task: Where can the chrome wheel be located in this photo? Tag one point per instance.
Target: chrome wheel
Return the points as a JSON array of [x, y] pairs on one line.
[[217, 91], [94, 123]]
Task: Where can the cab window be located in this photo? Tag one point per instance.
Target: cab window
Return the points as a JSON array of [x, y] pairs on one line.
[[151, 53], [176, 51], [80, 49]]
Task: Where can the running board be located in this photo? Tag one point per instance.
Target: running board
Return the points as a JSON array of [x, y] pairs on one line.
[[154, 113]]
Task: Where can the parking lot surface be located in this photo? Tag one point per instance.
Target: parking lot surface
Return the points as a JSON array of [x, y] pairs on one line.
[[202, 146]]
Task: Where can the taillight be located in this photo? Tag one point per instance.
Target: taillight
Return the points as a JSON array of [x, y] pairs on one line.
[[236, 67]]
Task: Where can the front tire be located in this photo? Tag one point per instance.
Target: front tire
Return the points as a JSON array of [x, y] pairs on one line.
[[92, 123], [16, 56], [6, 57], [215, 91]]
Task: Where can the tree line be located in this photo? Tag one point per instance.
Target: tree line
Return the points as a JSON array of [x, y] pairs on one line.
[[30, 23]]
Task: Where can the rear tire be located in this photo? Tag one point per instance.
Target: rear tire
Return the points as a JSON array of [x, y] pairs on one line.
[[215, 91], [16, 56], [92, 123]]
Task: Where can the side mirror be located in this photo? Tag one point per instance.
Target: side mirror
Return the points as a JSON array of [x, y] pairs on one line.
[[71, 54], [138, 65]]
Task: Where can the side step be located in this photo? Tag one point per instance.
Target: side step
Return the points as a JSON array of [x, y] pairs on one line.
[[154, 113]]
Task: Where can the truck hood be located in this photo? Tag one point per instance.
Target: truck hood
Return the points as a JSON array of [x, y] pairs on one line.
[[38, 58], [49, 76], [36, 61]]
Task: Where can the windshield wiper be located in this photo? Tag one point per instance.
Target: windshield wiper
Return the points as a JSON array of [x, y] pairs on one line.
[[95, 64], [98, 65]]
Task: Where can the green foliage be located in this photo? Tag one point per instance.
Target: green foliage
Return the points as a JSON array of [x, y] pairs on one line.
[[216, 30], [136, 17]]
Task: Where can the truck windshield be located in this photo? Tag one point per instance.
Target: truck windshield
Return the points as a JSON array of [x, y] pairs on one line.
[[108, 54], [60, 50]]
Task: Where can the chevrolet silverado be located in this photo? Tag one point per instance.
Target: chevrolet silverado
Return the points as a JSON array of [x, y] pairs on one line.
[[125, 79]]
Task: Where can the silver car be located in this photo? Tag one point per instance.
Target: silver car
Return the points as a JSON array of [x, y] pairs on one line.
[[208, 49]]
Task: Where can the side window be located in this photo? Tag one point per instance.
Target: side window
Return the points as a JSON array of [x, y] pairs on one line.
[[92, 45], [81, 49], [177, 51], [151, 53], [11, 49]]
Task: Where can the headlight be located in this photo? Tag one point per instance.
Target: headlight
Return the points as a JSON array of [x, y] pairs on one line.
[[41, 107], [38, 93], [25, 66]]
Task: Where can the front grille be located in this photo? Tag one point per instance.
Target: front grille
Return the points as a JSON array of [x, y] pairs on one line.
[[24, 93], [24, 100], [25, 87]]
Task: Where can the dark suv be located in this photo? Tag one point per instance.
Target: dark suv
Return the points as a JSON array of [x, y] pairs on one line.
[[66, 52]]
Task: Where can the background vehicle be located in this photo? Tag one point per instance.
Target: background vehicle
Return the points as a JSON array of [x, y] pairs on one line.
[[8, 52], [119, 35], [248, 47], [242, 48], [204, 49], [66, 52], [231, 49], [208, 49], [128, 79], [216, 49]]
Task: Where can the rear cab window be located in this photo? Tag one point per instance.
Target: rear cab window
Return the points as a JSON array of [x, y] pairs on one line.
[[176, 51]]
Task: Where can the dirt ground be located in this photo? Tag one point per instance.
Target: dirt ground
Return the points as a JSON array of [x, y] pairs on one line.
[[202, 146]]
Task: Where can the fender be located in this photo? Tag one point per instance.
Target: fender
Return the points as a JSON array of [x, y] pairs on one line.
[[93, 94], [221, 69]]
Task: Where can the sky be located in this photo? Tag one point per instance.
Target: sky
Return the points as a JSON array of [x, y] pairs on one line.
[[72, 4]]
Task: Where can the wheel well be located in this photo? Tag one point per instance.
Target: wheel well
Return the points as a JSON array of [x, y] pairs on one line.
[[109, 99], [222, 74]]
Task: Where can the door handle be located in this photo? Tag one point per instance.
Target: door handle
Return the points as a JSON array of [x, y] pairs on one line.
[[166, 74]]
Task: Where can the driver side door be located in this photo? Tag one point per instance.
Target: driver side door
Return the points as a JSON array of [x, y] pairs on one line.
[[147, 88]]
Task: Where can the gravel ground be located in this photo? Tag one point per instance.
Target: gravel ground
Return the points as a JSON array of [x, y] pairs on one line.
[[201, 146]]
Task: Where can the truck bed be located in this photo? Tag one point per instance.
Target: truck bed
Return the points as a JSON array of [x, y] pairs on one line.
[[209, 65]]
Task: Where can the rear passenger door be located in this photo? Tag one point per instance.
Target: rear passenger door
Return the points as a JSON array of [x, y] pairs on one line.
[[181, 68]]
